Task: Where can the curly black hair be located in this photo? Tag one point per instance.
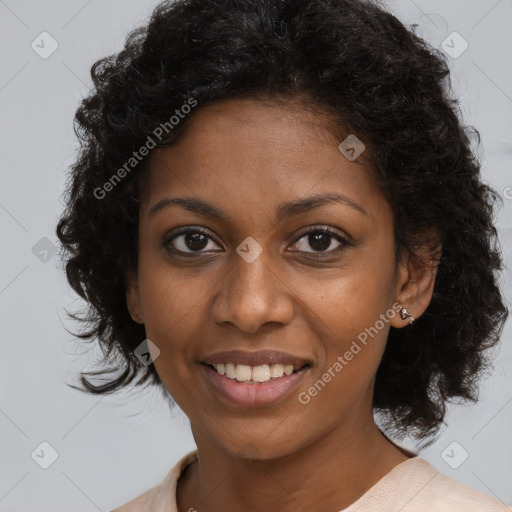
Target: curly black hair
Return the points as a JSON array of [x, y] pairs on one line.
[[381, 81]]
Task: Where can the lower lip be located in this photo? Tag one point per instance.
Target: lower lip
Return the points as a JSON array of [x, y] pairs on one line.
[[250, 395]]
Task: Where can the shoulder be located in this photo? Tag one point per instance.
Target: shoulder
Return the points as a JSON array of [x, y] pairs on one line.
[[161, 497], [438, 492]]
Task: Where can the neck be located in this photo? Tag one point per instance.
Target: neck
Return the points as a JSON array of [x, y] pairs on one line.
[[338, 468]]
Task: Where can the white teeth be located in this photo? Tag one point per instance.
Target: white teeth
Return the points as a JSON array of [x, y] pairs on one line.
[[246, 373], [288, 369], [243, 372], [230, 371], [261, 373], [276, 370]]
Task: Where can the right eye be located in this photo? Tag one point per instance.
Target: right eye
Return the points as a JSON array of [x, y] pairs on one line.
[[188, 241]]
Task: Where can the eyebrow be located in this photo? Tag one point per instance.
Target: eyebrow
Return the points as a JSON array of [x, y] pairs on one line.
[[284, 210]]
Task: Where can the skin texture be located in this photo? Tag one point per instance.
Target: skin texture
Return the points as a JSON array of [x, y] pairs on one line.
[[247, 157]]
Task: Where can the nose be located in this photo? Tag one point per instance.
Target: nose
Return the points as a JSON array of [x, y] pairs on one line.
[[253, 294]]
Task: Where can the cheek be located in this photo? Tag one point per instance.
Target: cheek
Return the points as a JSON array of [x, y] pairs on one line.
[[174, 304], [353, 333], [168, 293], [173, 309], [352, 311], [353, 299]]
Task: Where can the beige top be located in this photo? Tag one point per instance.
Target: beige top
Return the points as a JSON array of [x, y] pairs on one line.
[[411, 486]]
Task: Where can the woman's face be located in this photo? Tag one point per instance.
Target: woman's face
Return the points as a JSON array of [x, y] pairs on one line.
[[256, 279]]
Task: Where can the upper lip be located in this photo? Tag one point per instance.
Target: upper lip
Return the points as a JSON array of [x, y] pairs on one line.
[[255, 358]]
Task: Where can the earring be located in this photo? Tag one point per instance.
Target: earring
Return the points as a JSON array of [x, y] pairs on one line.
[[404, 314]]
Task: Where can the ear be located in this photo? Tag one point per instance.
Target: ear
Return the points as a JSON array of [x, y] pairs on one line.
[[133, 296], [415, 282]]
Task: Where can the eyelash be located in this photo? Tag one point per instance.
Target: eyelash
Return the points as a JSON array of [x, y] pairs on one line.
[[315, 229]]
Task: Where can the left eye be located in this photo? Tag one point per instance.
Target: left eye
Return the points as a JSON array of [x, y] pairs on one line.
[[320, 239]]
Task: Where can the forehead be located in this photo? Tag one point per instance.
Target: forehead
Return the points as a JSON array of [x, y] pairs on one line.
[[250, 156]]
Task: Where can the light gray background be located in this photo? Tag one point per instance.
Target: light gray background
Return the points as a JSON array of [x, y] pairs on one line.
[[111, 449]]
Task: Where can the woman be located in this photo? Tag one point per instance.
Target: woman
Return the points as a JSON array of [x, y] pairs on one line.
[[277, 218]]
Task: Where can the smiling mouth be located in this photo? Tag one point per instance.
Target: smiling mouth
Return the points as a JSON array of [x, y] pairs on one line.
[[259, 374]]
